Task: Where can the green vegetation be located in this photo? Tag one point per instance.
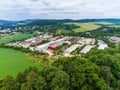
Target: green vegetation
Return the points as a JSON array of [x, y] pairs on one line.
[[109, 62], [102, 33], [85, 27], [66, 31], [58, 32], [115, 25], [17, 37], [65, 74], [12, 62], [42, 42], [59, 50], [98, 70], [104, 23]]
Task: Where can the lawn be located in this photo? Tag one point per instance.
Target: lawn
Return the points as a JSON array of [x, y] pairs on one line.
[[85, 27], [12, 62], [16, 37]]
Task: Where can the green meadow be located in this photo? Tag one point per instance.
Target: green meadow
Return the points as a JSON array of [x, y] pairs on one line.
[[16, 37], [12, 62], [85, 27]]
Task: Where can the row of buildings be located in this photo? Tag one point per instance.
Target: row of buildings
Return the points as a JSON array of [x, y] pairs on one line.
[[88, 42], [49, 47], [28, 43]]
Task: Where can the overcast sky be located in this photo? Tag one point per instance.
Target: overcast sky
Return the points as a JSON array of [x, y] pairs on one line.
[[58, 9]]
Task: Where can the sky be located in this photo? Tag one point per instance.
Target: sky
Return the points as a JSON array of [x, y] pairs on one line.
[[58, 9]]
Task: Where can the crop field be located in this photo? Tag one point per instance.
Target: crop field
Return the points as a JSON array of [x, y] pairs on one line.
[[85, 27], [16, 37], [12, 62]]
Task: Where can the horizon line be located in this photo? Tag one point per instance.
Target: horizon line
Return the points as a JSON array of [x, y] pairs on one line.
[[55, 19]]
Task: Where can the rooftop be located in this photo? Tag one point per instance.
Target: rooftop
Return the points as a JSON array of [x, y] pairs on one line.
[[115, 39], [72, 48], [86, 49]]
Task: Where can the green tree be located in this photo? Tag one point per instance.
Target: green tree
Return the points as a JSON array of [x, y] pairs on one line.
[[40, 83], [60, 81], [31, 77], [8, 83]]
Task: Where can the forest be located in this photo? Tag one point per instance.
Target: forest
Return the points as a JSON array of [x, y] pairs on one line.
[[98, 70]]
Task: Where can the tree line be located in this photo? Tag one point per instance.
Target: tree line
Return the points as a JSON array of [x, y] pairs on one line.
[[98, 70]]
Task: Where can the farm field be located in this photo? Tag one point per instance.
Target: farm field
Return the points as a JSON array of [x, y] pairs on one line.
[[104, 23], [85, 27], [12, 62], [16, 37], [116, 26]]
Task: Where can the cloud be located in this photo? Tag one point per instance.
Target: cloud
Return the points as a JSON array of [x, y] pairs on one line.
[[59, 9]]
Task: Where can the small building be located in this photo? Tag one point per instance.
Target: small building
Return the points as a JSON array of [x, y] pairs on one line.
[[5, 31], [46, 36], [52, 46], [102, 45], [72, 39], [86, 49], [13, 44], [71, 49], [67, 42], [43, 47], [114, 39], [32, 48], [87, 41], [55, 38]]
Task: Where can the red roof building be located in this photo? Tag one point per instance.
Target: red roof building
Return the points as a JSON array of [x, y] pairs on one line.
[[52, 46]]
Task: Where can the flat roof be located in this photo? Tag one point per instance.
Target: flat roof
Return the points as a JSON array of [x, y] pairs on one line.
[[86, 49], [72, 48]]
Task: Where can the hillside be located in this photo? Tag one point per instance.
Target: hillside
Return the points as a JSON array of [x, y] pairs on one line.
[[5, 22], [40, 21], [115, 21], [85, 27]]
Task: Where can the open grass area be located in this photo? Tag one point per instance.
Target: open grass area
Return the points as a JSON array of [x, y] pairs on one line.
[[12, 62], [104, 23], [66, 31], [116, 26], [16, 37], [85, 27]]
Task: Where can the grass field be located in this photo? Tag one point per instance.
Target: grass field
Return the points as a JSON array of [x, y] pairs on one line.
[[104, 23], [116, 26], [16, 37], [85, 27], [12, 62], [66, 31]]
